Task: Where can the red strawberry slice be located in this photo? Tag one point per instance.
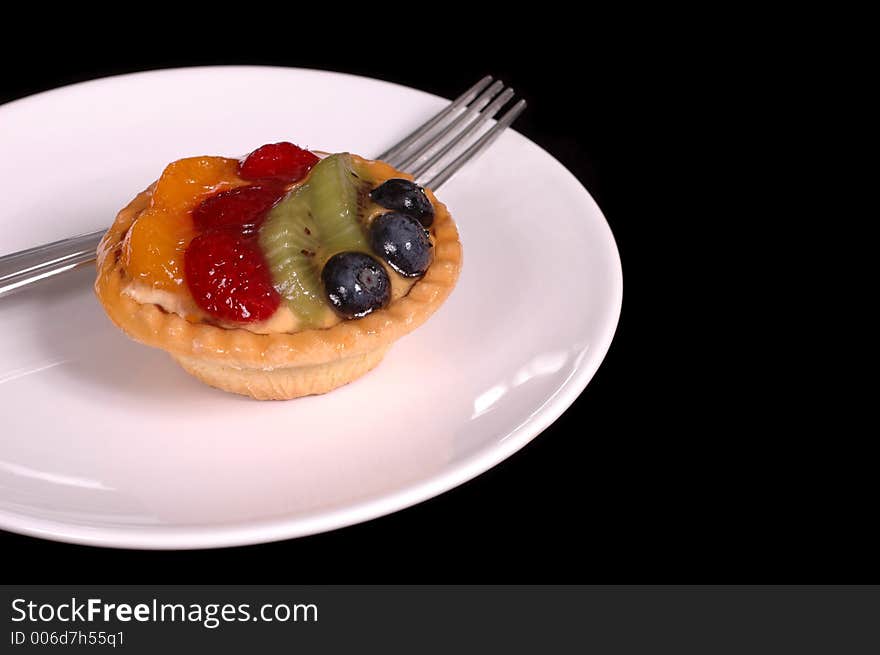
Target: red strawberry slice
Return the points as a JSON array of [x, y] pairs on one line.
[[228, 277], [279, 161], [243, 207]]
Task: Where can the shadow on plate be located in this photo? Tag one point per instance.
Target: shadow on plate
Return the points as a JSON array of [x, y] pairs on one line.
[[72, 336]]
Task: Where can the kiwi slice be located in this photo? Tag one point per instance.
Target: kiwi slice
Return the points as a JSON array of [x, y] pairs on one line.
[[335, 197], [288, 239], [315, 221]]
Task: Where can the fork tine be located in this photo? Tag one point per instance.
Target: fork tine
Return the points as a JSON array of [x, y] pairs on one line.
[[432, 140], [481, 144], [470, 129], [463, 99]]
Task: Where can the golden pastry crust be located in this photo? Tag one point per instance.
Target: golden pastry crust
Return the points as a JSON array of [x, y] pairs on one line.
[[279, 365], [282, 383]]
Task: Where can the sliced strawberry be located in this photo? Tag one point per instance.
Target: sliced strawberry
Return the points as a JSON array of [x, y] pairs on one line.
[[279, 161], [243, 207], [228, 278]]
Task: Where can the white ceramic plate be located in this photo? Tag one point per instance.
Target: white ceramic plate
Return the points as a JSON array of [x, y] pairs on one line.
[[108, 442]]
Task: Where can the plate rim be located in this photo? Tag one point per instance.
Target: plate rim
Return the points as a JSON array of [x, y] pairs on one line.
[[266, 530]]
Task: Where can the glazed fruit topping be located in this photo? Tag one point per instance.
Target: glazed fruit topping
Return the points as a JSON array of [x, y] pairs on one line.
[[184, 182], [228, 277], [314, 222], [156, 242], [243, 207], [277, 161], [402, 242], [356, 284], [405, 197], [253, 245]]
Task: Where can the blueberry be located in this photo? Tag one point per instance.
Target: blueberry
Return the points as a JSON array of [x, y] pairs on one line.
[[402, 242], [405, 197], [355, 284]]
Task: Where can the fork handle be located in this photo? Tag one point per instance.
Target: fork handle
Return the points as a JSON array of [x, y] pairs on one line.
[[26, 266]]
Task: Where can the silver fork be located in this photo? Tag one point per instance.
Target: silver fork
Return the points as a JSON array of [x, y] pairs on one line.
[[433, 153]]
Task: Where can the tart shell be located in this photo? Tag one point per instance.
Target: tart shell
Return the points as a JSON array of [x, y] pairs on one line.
[[279, 365]]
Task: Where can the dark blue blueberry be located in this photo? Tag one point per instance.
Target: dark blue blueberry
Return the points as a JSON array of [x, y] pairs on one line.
[[355, 284], [405, 197], [402, 242]]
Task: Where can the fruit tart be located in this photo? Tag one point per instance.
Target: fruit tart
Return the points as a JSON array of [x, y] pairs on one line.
[[283, 274]]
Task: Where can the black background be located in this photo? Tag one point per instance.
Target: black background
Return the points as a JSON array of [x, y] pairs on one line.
[[683, 460]]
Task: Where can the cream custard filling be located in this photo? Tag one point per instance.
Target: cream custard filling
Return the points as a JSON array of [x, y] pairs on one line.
[[282, 321], [144, 294]]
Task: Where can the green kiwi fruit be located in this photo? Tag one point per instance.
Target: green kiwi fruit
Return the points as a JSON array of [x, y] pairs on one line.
[[316, 220]]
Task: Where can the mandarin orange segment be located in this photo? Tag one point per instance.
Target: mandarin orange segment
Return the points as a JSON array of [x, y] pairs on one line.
[[186, 182], [156, 243], [155, 246]]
